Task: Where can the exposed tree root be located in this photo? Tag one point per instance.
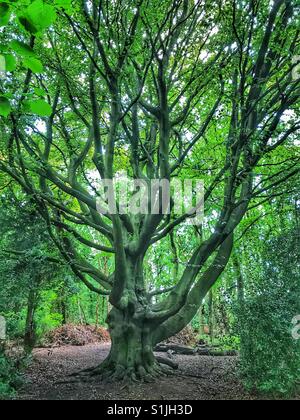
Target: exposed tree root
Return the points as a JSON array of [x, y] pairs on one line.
[[108, 373], [130, 375], [168, 362]]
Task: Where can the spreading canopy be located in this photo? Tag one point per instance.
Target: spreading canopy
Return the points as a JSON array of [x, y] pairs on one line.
[[160, 89]]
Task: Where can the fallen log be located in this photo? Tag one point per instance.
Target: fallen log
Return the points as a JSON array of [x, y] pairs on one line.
[[176, 348], [190, 351], [216, 353]]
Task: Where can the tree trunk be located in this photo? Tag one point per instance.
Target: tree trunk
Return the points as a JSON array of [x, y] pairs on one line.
[[136, 326], [97, 311], [64, 311], [132, 356], [240, 281], [104, 310], [201, 321], [211, 316], [30, 333]]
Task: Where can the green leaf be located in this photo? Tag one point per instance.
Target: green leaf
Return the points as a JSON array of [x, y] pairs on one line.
[[40, 107], [3, 48], [4, 13], [27, 25], [33, 64], [22, 49], [2, 65], [38, 17], [40, 92], [64, 4], [5, 108], [10, 62]]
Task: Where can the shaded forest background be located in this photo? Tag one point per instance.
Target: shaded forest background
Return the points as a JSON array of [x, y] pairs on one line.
[[160, 90]]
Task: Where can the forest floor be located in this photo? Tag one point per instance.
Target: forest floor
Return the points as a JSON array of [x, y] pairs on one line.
[[198, 378]]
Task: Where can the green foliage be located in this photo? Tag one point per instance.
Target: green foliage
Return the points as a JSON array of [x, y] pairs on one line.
[[46, 318], [5, 12], [58, 296], [34, 65], [5, 108], [37, 17], [189, 87], [22, 49], [24, 268], [270, 356], [10, 379], [10, 62], [34, 18], [38, 107], [64, 4]]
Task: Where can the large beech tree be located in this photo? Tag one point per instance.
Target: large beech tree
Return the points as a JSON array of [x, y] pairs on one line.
[[159, 88]]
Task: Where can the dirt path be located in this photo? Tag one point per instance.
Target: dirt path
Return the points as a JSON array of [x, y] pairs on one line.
[[216, 378]]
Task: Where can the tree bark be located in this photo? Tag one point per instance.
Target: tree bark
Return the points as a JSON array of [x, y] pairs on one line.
[[131, 356], [135, 329], [240, 280], [201, 320], [30, 333], [211, 316]]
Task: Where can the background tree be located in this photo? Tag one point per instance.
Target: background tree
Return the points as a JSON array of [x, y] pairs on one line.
[[38, 292], [28, 255], [158, 89], [270, 356]]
